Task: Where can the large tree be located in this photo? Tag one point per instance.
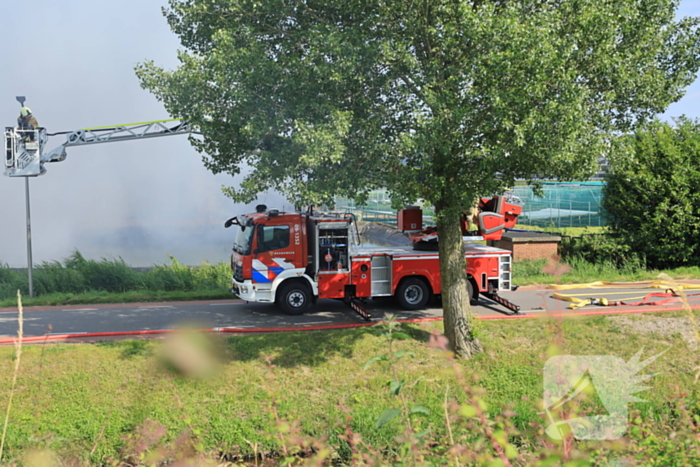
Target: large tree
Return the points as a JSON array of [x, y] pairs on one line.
[[443, 100]]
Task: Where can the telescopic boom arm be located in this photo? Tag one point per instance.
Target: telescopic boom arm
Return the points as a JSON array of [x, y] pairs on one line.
[[24, 149]]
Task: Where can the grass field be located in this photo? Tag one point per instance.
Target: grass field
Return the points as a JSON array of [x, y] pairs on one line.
[[571, 231], [576, 271], [123, 297], [228, 399]]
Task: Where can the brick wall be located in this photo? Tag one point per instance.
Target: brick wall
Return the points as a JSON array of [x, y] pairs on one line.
[[528, 245], [523, 251]]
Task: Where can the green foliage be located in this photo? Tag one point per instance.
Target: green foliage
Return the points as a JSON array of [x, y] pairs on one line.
[[430, 100], [53, 277], [387, 416], [391, 330], [112, 275], [77, 275], [581, 271], [599, 249], [177, 276], [10, 282], [651, 199]]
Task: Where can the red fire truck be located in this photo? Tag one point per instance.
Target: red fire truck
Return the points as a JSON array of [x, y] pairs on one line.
[[293, 259]]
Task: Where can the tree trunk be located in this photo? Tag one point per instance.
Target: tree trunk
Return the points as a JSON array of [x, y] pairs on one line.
[[455, 296]]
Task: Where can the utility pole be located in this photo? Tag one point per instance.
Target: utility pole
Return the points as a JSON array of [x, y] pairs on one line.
[[29, 238], [30, 263]]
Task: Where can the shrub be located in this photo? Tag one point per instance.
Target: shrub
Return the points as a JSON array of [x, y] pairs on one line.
[[599, 249], [651, 199]]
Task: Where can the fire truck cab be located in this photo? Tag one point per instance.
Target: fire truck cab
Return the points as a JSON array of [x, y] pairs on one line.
[[293, 259]]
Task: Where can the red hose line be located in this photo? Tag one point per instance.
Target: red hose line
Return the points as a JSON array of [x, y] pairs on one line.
[[53, 337]]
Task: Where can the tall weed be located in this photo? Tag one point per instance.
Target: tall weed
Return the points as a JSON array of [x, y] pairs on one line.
[[177, 276], [112, 275], [11, 281], [78, 275], [53, 277]]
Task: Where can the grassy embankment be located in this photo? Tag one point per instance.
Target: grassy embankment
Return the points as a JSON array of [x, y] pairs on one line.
[[77, 280], [117, 403], [582, 272]]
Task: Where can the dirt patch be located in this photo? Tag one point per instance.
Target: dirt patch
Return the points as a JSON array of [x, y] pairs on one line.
[[662, 326]]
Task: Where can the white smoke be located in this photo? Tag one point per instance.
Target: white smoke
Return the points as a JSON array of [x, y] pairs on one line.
[[140, 200]]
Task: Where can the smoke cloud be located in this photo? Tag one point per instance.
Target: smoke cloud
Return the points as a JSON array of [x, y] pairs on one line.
[[140, 200]]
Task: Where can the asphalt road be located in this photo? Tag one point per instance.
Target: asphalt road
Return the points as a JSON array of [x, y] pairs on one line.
[[41, 321]]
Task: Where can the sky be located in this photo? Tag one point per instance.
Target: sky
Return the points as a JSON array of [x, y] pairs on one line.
[[138, 200]]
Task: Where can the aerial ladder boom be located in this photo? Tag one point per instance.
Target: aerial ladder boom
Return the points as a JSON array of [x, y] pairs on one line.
[[25, 153]]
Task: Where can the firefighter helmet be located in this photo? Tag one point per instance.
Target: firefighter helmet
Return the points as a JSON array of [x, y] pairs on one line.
[[24, 111]]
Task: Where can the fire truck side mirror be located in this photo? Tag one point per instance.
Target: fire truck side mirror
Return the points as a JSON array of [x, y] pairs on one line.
[[230, 222]]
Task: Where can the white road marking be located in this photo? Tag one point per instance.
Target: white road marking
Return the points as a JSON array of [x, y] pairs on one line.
[[149, 307], [313, 322], [83, 309], [63, 333]]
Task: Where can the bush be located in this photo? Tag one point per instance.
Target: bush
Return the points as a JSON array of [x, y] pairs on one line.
[[599, 249], [651, 200]]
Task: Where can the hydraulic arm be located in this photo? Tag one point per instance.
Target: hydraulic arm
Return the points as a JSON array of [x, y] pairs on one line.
[[25, 152]]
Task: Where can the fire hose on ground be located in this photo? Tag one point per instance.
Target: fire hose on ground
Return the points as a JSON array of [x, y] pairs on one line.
[[674, 292]]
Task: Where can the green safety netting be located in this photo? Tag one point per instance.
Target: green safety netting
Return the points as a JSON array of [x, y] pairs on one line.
[[561, 205]]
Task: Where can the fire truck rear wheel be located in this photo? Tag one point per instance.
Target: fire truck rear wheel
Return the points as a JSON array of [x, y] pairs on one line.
[[294, 298], [412, 294], [473, 298]]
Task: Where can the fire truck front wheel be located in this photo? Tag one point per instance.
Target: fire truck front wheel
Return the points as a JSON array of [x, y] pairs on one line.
[[412, 294], [294, 298]]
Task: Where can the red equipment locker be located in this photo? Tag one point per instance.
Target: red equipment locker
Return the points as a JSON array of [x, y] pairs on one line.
[[410, 218]]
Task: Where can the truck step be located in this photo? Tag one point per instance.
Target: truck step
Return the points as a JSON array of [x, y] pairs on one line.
[[359, 309], [502, 301]]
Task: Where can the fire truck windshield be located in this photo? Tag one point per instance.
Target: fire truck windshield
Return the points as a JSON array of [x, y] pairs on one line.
[[244, 237]]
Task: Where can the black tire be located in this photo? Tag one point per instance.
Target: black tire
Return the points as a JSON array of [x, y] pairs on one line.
[[293, 298], [412, 294], [473, 298], [426, 246]]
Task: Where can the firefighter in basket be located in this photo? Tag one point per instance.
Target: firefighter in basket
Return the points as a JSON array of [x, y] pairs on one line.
[[27, 124]]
